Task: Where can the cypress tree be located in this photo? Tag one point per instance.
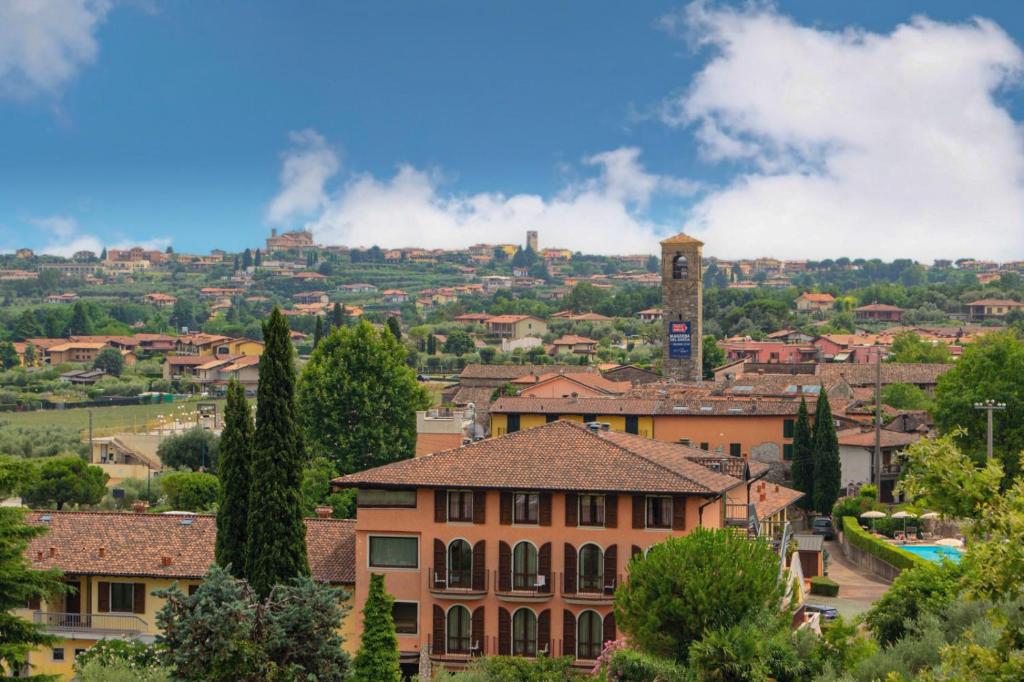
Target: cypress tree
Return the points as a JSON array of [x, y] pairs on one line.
[[258, 259], [395, 328], [234, 472], [80, 324], [276, 533], [337, 316], [803, 456], [827, 471], [377, 658], [431, 344], [318, 331]]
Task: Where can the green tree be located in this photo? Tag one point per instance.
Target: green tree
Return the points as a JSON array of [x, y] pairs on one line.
[[276, 534], [431, 344], [64, 480], [712, 356], [358, 399], [318, 331], [653, 264], [666, 604], [8, 355], [195, 449], [377, 658], [938, 475], [234, 470], [247, 259], [827, 470], [905, 397], [194, 491], [909, 347], [110, 361], [458, 343], [257, 260], [27, 326], [991, 368], [225, 632], [926, 588], [80, 324], [395, 328], [338, 316], [802, 470]]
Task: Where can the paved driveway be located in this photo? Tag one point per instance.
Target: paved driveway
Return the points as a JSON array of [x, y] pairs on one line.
[[857, 589]]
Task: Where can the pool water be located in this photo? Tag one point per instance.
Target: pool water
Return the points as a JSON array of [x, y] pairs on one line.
[[934, 553]]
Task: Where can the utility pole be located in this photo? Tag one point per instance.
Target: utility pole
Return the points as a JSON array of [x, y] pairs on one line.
[[878, 424], [90, 435], [990, 406]]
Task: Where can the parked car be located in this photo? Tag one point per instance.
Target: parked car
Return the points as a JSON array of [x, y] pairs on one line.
[[827, 612], [822, 525]]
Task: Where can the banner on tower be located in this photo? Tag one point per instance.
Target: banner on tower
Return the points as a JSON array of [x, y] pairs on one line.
[[680, 342]]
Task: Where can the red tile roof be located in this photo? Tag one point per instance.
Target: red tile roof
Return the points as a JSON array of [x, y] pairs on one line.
[[997, 301], [890, 439], [511, 372]]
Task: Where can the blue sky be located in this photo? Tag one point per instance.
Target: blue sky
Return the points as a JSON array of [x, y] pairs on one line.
[[604, 124]]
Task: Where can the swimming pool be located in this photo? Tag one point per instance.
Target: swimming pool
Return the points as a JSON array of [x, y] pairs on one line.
[[934, 553]]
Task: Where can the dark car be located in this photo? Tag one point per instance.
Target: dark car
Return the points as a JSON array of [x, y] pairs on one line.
[[827, 612], [823, 526]]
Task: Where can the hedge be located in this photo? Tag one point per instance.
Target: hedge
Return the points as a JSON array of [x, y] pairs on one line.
[[890, 554], [826, 587]]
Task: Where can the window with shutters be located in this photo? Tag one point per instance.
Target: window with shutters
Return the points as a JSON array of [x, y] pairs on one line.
[[787, 451], [524, 633], [591, 568], [460, 506], [589, 635], [591, 510], [659, 511], [632, 423], [458, 630], [512, 422], [122, 597], [735, 449], [406, 615], [388, 551], [524, 566], [787, 428], [460, 564], [525, 508]]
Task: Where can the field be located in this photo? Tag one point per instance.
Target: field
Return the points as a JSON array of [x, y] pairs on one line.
[[107, 420]]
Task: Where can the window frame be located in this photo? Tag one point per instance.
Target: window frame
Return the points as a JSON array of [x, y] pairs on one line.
[[529, 522], [369, 552], [122, 587], [594, 647], [467, 623], [465, 497], [416, 619], [737, 447], [586, 583], [599, 510], [386, 505], [465, 574], [648, 499], [57, 658], [788, 426], [528, 584], [525, 650]]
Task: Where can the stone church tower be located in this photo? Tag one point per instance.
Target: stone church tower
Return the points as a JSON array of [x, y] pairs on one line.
[[682, 292]]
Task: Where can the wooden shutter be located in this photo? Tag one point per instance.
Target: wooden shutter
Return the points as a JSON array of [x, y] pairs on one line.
[[480, 566], [504, 567], [440, 562], [139, 601], [506, 509], [479, 506], [478, 630], [570, 569], [634, 551], [34, 603], [439, 638], [544, 566], [544, 631], [639, 511], [104, 597], [568, 633], [545, 509], [611, 565], [611, 511], [504, 632], [440, 506], [678, 512], [609, 627], [572, 509]]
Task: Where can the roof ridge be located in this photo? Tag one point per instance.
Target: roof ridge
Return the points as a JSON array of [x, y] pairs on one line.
[[652, 462]]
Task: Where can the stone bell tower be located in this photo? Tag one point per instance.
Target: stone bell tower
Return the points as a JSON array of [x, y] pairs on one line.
[[682, 292]]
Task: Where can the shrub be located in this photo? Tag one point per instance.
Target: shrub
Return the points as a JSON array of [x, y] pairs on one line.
[[890, 554], [926, 588], [868, 490], [629, 665], [823, 586], [190, 491]]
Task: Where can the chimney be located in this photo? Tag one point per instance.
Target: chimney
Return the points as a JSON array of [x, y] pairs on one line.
[[140, 506], [324, 512], [103, 552], [776, 487], [165, 561]]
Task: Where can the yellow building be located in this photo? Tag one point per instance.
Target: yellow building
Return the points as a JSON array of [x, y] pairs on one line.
[[116, 560]]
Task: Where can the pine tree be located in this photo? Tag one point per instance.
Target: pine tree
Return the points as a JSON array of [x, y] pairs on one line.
[[318, 331], [27, 326], [337, 316], [395, 328], [234, 471], [80, 324], [803, 456], [827, 471], [103, 254], [377, 658], [276, 533]]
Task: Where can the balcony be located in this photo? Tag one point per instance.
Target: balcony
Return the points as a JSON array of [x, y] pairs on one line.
[[526, 587], [457, 585], [104, 624], [890, 471], [737, 514], [596, 590]]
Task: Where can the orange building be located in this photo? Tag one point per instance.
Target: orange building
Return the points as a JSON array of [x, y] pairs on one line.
[[515, 545]]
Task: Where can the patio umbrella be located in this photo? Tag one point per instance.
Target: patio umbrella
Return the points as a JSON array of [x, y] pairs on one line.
[[903, 515], [873, 515], [930, 515], [950, 542]]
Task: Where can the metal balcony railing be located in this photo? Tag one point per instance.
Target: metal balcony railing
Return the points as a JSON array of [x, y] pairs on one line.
[[90, 622]]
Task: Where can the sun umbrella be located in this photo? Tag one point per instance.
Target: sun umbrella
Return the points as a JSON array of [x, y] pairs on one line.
[[950, 542], [903, 515], [930, 515], [873, 515]]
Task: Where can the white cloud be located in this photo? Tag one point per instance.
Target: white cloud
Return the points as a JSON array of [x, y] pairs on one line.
[[854, 143], [602, 214], [43, 43], [65, 238]]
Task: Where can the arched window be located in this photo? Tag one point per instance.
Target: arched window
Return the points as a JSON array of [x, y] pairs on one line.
[[524, 633], [590, 632], [591, 569], [679, 267], [524, 566], [459, 630], [460, 564]]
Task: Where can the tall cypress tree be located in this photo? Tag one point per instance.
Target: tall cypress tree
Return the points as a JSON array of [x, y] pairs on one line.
[[803, 456], [377, 658], [395, 328], [234, 471], [827, 470], [337, 316], [80, 324], [276, 533], [318, 331]]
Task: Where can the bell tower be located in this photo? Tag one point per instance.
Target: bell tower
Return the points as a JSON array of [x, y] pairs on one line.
[[682, 292]]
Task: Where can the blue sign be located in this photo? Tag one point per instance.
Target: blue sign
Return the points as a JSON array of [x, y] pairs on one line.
[[680, 342]]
